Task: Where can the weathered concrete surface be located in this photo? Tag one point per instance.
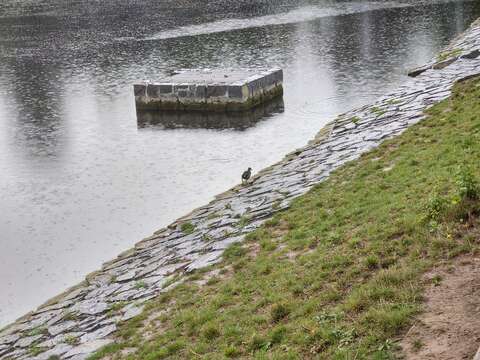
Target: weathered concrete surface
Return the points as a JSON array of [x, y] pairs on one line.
[[75, 323], [210, 90]]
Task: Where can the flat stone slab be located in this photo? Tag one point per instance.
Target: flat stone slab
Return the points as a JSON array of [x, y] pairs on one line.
[[208, 90]]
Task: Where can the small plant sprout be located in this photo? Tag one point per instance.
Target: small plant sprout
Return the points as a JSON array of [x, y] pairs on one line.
[[187, 228], [141, 285]]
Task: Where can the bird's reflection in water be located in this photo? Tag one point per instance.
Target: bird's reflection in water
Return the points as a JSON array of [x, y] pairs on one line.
[[208, 120]]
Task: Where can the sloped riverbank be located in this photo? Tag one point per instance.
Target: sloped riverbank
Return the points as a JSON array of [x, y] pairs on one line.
[[78, 322], [364, 266]]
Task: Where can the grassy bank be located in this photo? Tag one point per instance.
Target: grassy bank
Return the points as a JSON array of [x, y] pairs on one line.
[[339, 275]]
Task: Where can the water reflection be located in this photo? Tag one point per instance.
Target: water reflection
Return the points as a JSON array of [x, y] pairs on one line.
[[82, 180], [37, 95], [204, 120]]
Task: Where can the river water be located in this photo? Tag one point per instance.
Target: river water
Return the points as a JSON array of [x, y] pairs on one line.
[[81, 180]]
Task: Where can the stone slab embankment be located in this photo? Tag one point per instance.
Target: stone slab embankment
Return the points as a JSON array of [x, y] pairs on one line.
[[82, 319]]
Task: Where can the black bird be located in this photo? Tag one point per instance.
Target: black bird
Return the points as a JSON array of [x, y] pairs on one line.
[[246, 175]]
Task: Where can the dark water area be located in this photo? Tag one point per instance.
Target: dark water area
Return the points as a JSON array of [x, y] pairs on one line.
[[81, 180]]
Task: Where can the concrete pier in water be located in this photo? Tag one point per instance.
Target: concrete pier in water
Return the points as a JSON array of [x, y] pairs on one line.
[[210, 90]]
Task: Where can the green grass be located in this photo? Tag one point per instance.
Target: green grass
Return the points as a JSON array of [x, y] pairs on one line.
[[244, 220], [140, 285], [354, 119], [449, 54], [187, 228], [339, 274], [394, 101], [35, 350], [377, 111], [71, 340], [38, 331]]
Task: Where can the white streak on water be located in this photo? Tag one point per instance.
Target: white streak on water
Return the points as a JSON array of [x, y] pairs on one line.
[[302, 14]]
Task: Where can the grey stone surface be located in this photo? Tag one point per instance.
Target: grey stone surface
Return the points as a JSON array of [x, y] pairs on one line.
[[62, 327], [98, 334], [90, 307], [9, 339], [27, 341], [82, 351], [57, 350], [131, 311]]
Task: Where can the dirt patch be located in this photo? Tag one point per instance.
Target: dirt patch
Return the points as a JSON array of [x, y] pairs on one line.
[[449, 327]]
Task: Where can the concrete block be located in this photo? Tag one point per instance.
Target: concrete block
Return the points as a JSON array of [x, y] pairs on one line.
[[153, 90], [139, 90], [210, 90], [166, 89]]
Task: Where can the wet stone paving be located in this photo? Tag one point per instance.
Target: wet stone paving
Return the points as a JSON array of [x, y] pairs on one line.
[[80, 321]]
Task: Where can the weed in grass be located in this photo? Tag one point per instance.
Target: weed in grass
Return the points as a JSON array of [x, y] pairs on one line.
[[372, 261], [173, 279], [417, 345], [277, 334], [268, 245], [435, 207], [279, 312], [467, 185], [234, 251], [231, 351], [436, 280], [210, 332], [259, 342]]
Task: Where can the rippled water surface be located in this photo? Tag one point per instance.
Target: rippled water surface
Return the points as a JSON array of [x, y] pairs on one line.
[[81, 181]]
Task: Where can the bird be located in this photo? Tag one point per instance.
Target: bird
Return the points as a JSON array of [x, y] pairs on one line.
[[246, 175]]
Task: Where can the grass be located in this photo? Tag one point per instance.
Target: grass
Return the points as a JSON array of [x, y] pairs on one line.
[[394, 101], [71, 340], [187, 228], [354, 119], [140, 285], [244, 220], [449, 54], [70, 316], [377, 111], [37, 331], [417, 345], [339, 274]]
